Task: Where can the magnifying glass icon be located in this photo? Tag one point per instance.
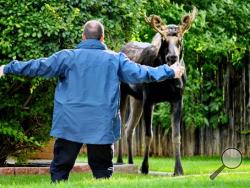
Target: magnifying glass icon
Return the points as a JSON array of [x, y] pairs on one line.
[[231, 158]]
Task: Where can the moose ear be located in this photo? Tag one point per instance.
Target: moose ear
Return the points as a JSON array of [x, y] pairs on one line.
[[158, 25], [187, 21]]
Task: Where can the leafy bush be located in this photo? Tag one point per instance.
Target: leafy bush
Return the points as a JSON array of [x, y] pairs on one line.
[[218, 38], [38, 28]]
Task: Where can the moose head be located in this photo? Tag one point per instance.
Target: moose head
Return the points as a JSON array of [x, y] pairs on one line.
[[168, 40]]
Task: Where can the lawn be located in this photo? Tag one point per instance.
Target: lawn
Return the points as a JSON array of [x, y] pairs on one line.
[[197, 170], [191, 165]]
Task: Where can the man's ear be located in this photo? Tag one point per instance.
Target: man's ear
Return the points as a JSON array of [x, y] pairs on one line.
[[102, 38], [83, 37]]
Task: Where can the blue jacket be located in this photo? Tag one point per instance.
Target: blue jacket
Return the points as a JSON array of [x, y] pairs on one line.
[[86, 103]]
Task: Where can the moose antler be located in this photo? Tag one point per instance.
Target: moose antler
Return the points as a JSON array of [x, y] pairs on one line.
[[158, 25], [187, 20]]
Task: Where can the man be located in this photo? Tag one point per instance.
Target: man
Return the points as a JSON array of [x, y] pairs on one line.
[[86, 103]]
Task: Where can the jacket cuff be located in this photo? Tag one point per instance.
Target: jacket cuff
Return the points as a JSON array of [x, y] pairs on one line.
[[171, 73]]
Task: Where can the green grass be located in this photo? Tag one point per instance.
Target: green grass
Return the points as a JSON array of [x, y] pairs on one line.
[[191, 165], [128, 181], [197, 170]]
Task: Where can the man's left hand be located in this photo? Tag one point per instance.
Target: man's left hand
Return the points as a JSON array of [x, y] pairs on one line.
[[178, 69]]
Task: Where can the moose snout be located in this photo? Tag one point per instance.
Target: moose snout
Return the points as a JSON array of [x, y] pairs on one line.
[[171, 58]]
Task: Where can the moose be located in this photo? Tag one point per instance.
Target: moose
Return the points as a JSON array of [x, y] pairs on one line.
[[166, 48]]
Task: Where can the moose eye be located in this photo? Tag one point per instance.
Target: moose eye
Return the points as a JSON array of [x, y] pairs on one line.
[[179, 43]]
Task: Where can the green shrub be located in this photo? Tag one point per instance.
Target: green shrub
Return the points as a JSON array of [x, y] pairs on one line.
[[38, 28]]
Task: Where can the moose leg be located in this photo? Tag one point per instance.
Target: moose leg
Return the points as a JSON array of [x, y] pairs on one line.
[[176, 137], [123, 107], [134, 117], [147, 118], [119, 154]]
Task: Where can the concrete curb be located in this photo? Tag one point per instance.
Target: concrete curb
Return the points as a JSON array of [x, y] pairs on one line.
[[78, 167]]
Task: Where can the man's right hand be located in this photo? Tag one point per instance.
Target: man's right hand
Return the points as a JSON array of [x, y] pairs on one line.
[[178, 70], [1, 71]]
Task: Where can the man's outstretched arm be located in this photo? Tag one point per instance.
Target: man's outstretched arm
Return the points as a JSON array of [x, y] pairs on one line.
[[133, 73], [55, 65]]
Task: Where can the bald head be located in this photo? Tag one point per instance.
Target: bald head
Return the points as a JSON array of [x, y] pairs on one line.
[[93, 30]]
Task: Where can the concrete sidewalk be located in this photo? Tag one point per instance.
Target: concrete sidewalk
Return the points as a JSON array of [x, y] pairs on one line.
[[78, 167]]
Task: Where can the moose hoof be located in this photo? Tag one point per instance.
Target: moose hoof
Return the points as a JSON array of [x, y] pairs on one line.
[[130, 162], [178, 173], [144, 170], [119, 161]]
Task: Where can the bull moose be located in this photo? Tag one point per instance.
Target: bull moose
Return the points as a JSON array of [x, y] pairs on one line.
[[165, 48]]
